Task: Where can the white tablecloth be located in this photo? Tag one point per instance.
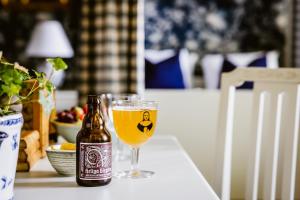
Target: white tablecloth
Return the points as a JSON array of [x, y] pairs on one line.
[[176, 178]]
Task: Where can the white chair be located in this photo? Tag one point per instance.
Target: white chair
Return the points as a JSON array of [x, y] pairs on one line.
[[281, 85]]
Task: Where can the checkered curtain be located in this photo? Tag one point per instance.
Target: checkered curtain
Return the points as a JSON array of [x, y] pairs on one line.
[[107, 57]]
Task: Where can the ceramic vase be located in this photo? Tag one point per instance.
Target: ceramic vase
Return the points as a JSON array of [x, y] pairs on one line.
[[10, 128]]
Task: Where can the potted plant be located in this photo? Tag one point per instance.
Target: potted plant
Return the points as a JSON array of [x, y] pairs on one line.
[[13, 78]]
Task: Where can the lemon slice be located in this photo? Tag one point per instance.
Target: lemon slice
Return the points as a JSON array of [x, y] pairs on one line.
[[67, 146]]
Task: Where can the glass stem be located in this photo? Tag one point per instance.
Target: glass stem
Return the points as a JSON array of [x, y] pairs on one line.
[[119, 147], [135, 159]]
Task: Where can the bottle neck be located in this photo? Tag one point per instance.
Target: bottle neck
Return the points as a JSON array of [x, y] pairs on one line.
[[93, 108], [93, 118]]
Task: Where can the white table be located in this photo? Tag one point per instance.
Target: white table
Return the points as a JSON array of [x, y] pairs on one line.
[[176, 177]]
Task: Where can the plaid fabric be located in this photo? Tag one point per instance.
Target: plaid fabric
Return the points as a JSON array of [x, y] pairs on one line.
[[107, 56]]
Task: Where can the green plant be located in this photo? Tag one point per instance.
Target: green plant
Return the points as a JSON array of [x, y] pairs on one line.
[[13, 79]]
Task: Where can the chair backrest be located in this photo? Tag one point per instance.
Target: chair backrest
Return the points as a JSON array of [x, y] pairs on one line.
[[281, 85]]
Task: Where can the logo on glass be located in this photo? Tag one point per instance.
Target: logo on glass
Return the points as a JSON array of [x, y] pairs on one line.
[[145, 125]]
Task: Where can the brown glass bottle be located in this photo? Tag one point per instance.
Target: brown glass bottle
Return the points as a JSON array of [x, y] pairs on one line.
[[93, 148]]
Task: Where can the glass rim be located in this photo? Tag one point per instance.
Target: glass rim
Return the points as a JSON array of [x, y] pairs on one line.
[[123, 96], [120, 94], [134, 103]]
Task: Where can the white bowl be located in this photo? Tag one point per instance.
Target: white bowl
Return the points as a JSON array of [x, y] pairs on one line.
[[63, 161], [68, 130]]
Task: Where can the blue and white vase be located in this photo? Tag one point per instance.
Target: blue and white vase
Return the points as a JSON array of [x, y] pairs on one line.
[[10, 128]]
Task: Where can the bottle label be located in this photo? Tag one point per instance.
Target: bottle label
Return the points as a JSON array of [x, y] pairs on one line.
[[95, 161]]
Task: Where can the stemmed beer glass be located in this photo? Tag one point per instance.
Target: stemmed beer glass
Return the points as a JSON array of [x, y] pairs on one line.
[[106, 100], [134, 122]]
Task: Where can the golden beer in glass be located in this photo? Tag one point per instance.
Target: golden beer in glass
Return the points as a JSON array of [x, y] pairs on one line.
[[134, 127], [134, 122]]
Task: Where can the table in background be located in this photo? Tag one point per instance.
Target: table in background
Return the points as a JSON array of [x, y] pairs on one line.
[[176, 177]]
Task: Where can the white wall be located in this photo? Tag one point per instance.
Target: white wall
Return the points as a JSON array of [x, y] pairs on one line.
[[192, 116]]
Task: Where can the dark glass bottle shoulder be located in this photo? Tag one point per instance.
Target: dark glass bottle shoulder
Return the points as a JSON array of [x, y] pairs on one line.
[[93, 136]]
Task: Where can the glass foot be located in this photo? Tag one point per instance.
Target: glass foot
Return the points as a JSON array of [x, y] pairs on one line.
[[133, 174]]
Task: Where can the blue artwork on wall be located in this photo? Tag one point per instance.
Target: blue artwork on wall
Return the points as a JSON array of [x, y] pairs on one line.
[[215, 25]]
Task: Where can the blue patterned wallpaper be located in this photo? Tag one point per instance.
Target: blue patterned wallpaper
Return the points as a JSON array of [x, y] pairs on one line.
[[215, 25]]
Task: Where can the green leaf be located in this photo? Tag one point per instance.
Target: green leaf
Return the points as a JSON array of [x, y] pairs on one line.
[[11, 81], [39, 74], [11, 89], [49, 87], [57, 63], [15, 89]]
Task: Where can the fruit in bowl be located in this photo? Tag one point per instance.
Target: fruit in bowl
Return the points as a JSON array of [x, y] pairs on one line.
[[68, 146], [68, 123], [71, 116]]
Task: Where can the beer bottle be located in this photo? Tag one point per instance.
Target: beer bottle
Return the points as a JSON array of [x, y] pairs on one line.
[[93, 148]]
